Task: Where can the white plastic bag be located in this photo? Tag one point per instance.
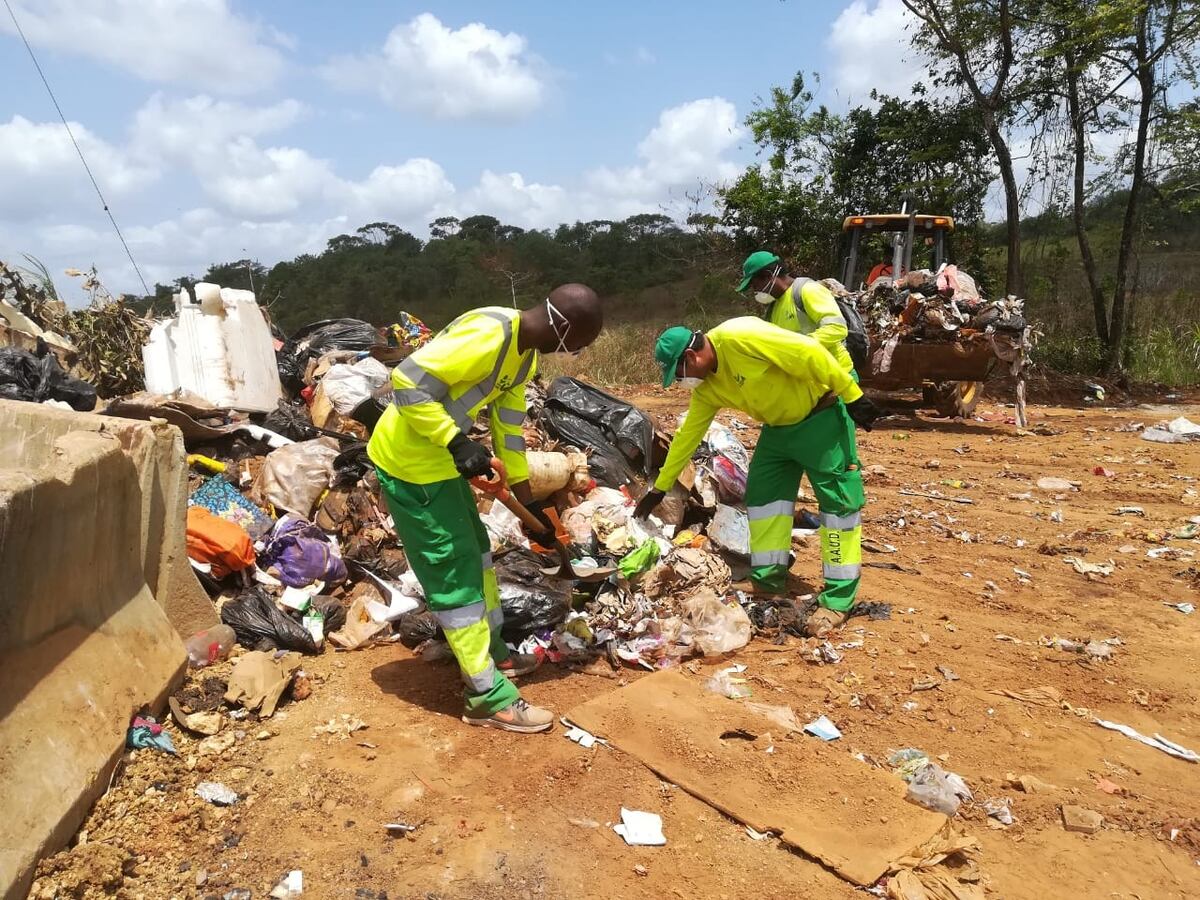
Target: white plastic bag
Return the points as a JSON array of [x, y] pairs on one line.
[[730, 530], [347, 386], [717, 627], [294, 476]]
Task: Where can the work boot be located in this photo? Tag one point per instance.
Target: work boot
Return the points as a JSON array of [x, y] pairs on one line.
[[823, 621], [519, 717], [518, 664]]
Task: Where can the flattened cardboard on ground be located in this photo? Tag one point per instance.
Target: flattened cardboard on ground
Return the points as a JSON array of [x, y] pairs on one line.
[[817, 797]]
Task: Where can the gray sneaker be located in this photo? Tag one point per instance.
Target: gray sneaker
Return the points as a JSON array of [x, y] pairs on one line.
[[519, 717], [518, 664]]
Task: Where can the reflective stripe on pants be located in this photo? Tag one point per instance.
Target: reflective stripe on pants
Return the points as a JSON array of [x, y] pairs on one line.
[[822, 446], [450, 553]]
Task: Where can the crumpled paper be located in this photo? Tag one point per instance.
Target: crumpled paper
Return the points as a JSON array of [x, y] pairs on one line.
[[259, 679]]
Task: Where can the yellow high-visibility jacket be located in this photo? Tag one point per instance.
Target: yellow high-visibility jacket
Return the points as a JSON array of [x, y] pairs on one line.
[[774, 375], [808, 307], [437, 392]]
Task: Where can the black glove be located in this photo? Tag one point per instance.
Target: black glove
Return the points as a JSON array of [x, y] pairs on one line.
[[546, 535], [646, 505], [471, 459], [863, 412]]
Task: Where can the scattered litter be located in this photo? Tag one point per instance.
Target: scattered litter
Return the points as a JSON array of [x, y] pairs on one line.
[[216, 793], [1083, 567], [758, 835], [935, 496], [823, 728], [1171, 553], [999, 809], [145, 733], [400, 828], [1186, 608], [342, 726], [1158, 742], [1109, 787], [1103, 472], [934, 788], [640, 829], [1129, 511], [1057, 484], [1177, 431], [291, 885]]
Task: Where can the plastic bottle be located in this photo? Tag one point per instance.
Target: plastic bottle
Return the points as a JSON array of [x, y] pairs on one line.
[[206, 647]]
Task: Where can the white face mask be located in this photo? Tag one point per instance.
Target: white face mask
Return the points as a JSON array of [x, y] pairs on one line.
[[561, 350], [688, 382], [762, 296]]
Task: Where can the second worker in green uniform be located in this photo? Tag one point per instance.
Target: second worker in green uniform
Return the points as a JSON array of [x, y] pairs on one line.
[[792, 385]]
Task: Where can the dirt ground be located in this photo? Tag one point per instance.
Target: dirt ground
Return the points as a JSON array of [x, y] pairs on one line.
[[499, 815]]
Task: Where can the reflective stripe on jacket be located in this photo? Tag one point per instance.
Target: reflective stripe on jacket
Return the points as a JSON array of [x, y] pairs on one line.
[[439, 390]]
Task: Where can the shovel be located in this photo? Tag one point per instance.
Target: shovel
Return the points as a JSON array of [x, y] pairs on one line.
[[497, 486]]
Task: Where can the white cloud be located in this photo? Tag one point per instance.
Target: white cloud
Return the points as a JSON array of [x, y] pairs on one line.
[[201, 43], [38, 161], [473, 72], [687, 145], [189, 130], [869, 47]]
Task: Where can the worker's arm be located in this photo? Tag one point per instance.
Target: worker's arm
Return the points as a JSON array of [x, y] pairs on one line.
[[508, 440], [699, 416], [805, 358], [822, 309], [421, 383]]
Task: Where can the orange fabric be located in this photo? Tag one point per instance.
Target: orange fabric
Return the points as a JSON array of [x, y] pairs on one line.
[[224, 544]]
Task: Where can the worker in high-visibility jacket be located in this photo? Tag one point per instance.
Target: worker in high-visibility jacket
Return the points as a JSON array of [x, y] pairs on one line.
[[790, 384], [798, 304], [423, 455]]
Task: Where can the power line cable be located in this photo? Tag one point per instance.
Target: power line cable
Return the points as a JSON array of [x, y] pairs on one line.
[[82, 159]]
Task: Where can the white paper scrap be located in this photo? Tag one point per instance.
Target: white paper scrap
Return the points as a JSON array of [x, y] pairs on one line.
[[640, 829]]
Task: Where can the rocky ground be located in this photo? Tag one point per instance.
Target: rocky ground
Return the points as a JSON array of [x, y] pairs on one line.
[[979, 591]]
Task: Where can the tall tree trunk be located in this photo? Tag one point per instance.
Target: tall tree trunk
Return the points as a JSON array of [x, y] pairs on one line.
[[1014, 280], [1125, 252], [1099, 306]]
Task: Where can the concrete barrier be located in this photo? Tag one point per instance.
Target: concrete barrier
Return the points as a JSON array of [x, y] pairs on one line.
[[95, 590]]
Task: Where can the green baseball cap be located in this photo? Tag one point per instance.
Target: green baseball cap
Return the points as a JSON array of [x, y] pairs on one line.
[[668, 350], [755, 263]]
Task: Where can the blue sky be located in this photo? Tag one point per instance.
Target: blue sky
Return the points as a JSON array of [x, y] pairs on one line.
[[223, 128]]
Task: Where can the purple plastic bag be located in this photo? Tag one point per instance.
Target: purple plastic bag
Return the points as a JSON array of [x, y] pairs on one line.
[[298, 553]]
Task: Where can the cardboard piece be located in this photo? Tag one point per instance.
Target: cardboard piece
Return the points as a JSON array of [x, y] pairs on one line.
[[816, 797]]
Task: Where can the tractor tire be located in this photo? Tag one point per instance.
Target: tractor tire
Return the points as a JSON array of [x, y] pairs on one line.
[[953, 399]]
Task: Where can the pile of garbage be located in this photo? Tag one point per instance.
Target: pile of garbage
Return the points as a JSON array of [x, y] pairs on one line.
[[945, 306], [289, 534]]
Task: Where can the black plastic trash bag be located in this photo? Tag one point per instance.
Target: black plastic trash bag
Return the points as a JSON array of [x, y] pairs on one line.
[[318, 338], [260, 625], [530, 600], [616, 435], [291, 420], [415, 628], [351, 465], [35, 377]]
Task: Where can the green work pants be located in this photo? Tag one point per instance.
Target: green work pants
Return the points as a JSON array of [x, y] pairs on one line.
[[450, 553], [823, 447]]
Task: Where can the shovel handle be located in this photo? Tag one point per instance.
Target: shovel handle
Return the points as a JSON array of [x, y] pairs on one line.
[[497, 483]]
